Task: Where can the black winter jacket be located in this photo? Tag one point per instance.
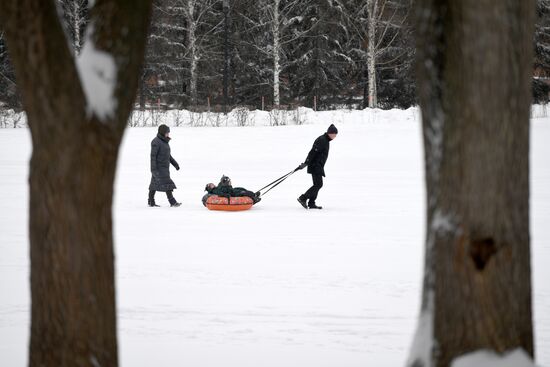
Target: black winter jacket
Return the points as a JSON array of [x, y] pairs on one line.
[[318, 155], [160, 165]]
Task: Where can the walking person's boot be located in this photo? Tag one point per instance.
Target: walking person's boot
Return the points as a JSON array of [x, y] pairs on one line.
[[303, 201], [172, 200], [312, 205], [151, 200], [174, 203]]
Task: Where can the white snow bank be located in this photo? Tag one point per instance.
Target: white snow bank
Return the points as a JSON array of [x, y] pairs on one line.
[[486, 358], [241, 116], [97, 70], [102, 101]]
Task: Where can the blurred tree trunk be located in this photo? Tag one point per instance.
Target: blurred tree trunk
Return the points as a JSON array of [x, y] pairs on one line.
[[474, 67], [275, 30], [192, 24], [372, 14], [226, 56], [73, 315], [141, 94]]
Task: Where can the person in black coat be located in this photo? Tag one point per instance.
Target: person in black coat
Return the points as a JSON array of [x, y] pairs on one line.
[[315, 163], [160, 167]]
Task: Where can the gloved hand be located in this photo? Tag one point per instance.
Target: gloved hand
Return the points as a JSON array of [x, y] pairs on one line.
[[302, 165], [177, 167]]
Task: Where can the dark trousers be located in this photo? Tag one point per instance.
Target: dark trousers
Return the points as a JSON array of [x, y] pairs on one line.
[[169, 195], [313, 191]]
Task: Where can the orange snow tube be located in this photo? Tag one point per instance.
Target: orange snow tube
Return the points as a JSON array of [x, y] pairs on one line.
[[216, 202]]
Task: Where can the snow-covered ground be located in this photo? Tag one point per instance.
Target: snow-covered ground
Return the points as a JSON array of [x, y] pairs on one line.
[[276, 285]]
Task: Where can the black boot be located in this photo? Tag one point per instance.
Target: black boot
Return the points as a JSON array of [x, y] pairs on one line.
[[312, 205], [172, 200], [302, 200], [174, 203], [151, 201]]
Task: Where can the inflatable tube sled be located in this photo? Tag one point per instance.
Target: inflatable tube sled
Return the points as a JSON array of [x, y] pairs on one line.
[[215, 202]]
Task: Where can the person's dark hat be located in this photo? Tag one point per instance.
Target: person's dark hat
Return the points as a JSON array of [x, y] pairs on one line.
[[332, 129], [163, 129]]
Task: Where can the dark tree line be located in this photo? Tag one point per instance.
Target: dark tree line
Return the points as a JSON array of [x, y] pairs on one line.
[[270, 52], [541, 85], [286, 51], [315, 53], [8, 87]]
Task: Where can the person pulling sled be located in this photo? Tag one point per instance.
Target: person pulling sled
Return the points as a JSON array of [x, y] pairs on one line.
[[315, 163]]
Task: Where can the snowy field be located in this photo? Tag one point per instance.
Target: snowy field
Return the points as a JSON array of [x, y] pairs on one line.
[[277, 285]]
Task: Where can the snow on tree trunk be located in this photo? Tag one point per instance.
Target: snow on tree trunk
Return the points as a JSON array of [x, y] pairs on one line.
[[477, 276], [276, 53], [372, 6], [97, 71], [73, 311], [483, 358]]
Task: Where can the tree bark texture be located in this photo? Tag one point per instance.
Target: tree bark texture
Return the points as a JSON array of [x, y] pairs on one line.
[[372, 8], [73, 313], [193, 51], [226, 56], [276, 53], [474, 64]]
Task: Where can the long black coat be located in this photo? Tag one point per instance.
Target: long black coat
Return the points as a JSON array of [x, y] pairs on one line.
[[160, 165], [318, 155]]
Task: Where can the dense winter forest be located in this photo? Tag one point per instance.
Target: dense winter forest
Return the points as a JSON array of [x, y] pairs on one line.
[[322, 54]]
